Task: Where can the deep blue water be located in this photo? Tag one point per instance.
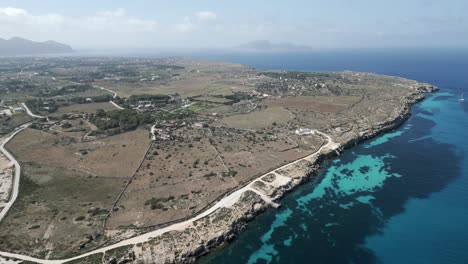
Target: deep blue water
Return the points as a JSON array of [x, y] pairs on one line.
[[398, 198]]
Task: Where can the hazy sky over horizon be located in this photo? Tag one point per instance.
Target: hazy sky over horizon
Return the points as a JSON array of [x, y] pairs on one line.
[[223, 24]]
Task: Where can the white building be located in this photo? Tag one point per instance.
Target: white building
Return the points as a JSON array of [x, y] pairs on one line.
[[305, 131], [18, 110]]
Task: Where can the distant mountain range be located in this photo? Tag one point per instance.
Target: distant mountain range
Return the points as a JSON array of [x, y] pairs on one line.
[[20, 46], [266, 45]]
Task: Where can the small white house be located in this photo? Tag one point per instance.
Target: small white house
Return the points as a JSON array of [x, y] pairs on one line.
[[305, 131], [18, 110]]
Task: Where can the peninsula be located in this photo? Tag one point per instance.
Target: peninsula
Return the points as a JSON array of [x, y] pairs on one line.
[[131, 160]]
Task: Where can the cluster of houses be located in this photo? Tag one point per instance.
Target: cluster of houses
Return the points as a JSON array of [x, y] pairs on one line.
[[144, 105], [164, 130], [163, 134], [9, 107], [147, 105]]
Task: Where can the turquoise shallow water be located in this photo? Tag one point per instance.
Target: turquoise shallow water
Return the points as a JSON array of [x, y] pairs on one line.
[[434, 228], [398, 198]]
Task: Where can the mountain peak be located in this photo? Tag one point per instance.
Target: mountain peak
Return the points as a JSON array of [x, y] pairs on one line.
[[17, 38], [21, 46]]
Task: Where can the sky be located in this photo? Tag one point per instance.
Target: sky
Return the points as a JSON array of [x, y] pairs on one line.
[[152, 24]]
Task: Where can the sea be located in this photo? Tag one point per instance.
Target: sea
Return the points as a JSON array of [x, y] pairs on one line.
[[401, 197]]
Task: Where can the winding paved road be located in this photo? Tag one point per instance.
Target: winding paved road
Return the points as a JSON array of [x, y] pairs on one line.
[[16, 178], [30, 113]]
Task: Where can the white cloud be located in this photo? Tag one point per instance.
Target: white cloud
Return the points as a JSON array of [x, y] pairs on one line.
[[117, 21], [12, 12], [197, 21], [118, 28], [20, 17], [206, 16], [186, 25], [104, 27]]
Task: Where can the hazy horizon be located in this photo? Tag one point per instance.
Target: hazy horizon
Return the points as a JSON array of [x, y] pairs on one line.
[[181, 25]]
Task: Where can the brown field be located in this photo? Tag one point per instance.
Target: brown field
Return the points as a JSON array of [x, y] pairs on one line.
[[184, 177], [57, 211], [220, 110], [84, 108], [66, 193], [174, 171], [198, 78], [258, 119], [188, 85], [102, 157], [326, 104], [251, 154]]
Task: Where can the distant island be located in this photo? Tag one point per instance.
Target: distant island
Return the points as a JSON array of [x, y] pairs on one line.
[[266, 45], [20, 46]]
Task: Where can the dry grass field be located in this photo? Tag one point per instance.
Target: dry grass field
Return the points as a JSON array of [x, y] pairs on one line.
[[67, 188], [58, 211], [326, 104], [258, 119], [84, 108], [178, 179], [103, 157], [197, 78], [191, 173]]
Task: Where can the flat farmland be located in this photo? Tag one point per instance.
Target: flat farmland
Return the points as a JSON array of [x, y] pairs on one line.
[[187, 85], [197, 78], [181, 178], [84, 108], [58, 212], [258, 119], [102, 157], [328, 104], [252, 154], [67, 188], [178, 179]]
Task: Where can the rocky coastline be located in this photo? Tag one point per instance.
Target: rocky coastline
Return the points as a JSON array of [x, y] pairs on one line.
[[224, 224], [187, 241]]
